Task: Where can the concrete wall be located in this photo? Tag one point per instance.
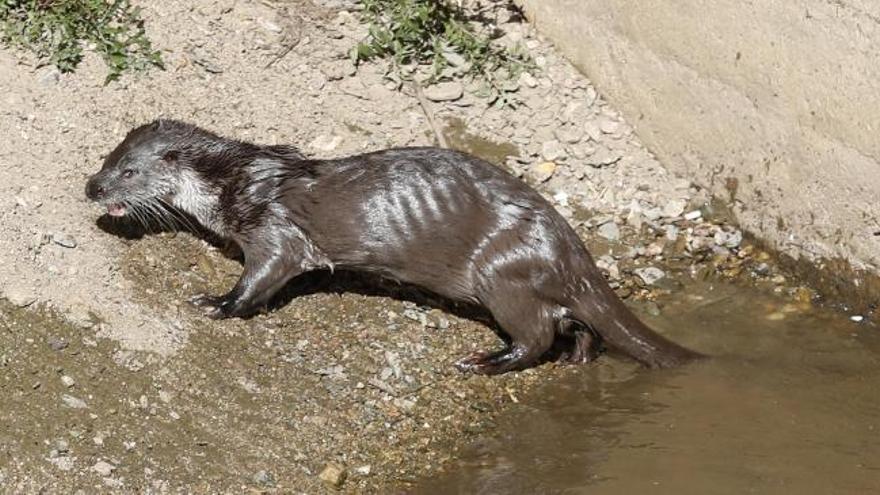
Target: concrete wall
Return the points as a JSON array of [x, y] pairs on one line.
[[774, 102]]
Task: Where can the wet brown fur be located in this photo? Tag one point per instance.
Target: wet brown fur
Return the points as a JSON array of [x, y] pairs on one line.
[[439, 219]]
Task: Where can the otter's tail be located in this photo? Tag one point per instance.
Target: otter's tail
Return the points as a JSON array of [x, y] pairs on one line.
[[622, 331]]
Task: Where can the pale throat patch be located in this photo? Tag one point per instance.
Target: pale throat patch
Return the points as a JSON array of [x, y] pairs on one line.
[[193, 196]]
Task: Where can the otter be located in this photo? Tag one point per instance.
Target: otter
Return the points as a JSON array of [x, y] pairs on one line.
[[442, 220]]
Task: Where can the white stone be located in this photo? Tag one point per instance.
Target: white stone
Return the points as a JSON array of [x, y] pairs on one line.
[[326, 143], [674, 208], [552, 150], [609, 126], [610, 231], [19, 295], [528, 80], [445, 91], [73, 402], [650, 275], [103, 468], [693, 215]]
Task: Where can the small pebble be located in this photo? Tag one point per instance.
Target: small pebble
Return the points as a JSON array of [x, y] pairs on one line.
[[652, 213], [567, 135], [609, 126], [734, 239], [674, 208], [50, 76], [445, 91], [73, 402], [543, 171], [264, 478], [413, 315], [654, 249], [561, 198], [269, 25], [20, 296], [693, 215], [64, 240], [552, 150], [761, 269], [325, 142], [528, 80], [650, 275], [604, 157], [652, 308], [454, 58], [103, 468], [610, 231], [333, 475]]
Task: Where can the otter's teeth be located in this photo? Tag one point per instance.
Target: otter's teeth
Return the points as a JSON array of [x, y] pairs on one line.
[[116, 210]]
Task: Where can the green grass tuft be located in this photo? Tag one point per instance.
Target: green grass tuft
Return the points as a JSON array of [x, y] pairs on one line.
[[58, 30], [439, 34]]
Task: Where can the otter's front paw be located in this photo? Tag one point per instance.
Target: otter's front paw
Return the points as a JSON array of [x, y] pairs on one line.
[[214, 307]]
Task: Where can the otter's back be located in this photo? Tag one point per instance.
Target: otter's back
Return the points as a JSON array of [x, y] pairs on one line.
[[422, 215]]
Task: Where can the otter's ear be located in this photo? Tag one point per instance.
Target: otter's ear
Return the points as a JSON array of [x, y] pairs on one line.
[[171, 156]]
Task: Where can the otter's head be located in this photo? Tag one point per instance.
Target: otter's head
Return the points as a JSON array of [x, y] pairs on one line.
[[143, 170]]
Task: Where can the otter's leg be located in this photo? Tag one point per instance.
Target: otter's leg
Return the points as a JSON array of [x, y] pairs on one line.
[[531, 327], [586, 348], [480, 358], [262, 278]]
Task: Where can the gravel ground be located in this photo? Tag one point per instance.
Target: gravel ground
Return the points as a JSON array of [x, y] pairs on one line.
[[112, 383]]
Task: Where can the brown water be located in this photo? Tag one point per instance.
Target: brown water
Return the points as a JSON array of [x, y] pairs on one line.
[[788, 406]]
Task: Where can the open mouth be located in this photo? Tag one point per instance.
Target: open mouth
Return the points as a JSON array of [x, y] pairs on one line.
[[116, 209]]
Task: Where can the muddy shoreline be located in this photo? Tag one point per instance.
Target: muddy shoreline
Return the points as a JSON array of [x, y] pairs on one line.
[[365, 383]]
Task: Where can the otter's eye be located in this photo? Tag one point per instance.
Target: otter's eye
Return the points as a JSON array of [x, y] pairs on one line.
[[128, 174]]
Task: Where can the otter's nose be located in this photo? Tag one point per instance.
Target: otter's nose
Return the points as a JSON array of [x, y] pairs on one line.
[[94, 190]]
